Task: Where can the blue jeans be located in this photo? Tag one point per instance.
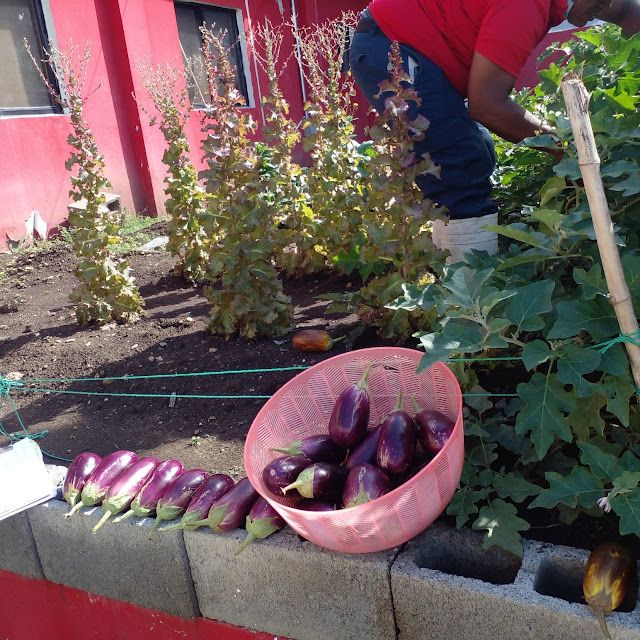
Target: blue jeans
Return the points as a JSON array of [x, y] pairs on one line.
[[463, 148]]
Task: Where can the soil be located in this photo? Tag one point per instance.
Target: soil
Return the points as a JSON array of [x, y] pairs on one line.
[[40, 338]]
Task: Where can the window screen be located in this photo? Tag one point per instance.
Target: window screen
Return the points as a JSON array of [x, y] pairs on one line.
[[190, 18]]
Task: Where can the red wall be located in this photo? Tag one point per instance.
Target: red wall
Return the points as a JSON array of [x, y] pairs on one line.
[[124, 34]]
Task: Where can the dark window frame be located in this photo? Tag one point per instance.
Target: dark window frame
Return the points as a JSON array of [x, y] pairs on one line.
[[199, 8], [42, 39]]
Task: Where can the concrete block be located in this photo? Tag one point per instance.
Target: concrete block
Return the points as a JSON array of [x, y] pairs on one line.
[[18, 552], [118, 562], [291, 588], [445, 585]]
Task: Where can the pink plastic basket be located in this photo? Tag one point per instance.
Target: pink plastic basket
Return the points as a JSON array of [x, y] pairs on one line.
[[302, 407]]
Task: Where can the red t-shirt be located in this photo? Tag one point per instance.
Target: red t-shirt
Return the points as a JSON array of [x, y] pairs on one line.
[[448, 32]]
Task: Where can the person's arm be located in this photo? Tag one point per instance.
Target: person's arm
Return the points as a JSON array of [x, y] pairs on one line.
[[489, 103], [624, 13]]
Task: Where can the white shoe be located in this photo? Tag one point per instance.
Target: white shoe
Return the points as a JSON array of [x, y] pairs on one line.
[[461, 236]]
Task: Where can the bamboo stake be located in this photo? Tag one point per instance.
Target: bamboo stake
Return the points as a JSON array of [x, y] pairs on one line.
[[577, 99]]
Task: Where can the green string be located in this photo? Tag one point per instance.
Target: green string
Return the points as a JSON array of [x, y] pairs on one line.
[[628, 338]]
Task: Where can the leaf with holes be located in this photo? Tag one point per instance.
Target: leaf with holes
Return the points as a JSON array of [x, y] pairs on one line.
[[580, 486], [574, 363], [502, 526]]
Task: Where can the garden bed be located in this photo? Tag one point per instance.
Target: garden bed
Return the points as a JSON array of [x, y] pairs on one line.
[[39, 337]]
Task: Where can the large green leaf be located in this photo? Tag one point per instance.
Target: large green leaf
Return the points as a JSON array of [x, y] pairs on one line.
[[532, 239], [580, 486], [529, 304], [502, 526], [627, 507], [603, 465], [515, 487], [587, 416], [576, 362], [458, 336], [535, 353], [466, 286], [592, 282], [629, 187], [597, 317], [552, 188], [464, 504], [545, 404], [619, 392]]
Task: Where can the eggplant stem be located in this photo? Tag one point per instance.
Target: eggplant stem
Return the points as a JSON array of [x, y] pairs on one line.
[[293, 485], [247, 541], [198, 523], [363, 383], [287, 452], [603, 625], [416, 406], [399, 400], [336, 341], [102, 522], [154, 527], [172, 527], [76, 507], [124, 516]]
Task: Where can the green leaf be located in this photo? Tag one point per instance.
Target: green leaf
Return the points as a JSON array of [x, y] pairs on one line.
[[568, 168], [531, 302], [511, 441], [545, 404], [619, 393], [618, 168], [603, 465], [502, 526], [597, 317], [492, 298], [592, 282], [462, 337], [615, 361], [535, 353], [629, 187], [465, 286], [576, 362], [483, 455], [588, 415], [515, 487], [579, 486], [548, 217], [627, 507], [626, 482], [516, 234], [464, 504], [551, 188]]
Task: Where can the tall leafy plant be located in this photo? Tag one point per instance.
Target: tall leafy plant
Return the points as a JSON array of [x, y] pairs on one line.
[[246, 296], [106, 289], [568, 438], [186, 198]]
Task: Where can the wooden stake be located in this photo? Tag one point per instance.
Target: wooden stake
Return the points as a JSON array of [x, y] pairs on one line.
[[577, 99]]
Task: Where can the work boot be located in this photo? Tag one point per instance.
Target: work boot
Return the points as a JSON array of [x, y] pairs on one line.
[[461, 236]]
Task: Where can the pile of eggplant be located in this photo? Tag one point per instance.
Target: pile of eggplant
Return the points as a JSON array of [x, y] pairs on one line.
[[126, 486], [354, 464]]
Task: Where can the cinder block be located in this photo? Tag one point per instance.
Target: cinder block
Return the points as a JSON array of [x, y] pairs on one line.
[[492, 597], [18, 552], [118, 562], [291, 588]]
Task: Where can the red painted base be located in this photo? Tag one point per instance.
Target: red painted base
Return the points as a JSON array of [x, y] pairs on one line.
[[40, 610]]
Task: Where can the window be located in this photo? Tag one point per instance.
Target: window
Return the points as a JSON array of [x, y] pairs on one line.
[[21, 89], [190, 18]]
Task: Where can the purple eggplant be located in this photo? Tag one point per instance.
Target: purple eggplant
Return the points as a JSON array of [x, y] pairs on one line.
[[230, 511], [263, 520], [177, 496], [144, 504], [398, 441], [316, 449], [126, 487], [364, 483], [78, 473], [314, 505], [103, 476], [321, 481], [434, 429], [211, 490], [282, 472], [350, 415], [365, 452]]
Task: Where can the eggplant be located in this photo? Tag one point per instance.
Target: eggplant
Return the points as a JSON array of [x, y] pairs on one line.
[[609, 577], [365, 452], [177, 496], [313, 505], [313, 340], [212, 489], [126, 487], [263, 520], [398, 439], [230, 511], [350, 416], [78, 473], [282, 472], [102, 478], [321, 481], [316, 449], [434, 429], [364, 483], [144, 504]]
